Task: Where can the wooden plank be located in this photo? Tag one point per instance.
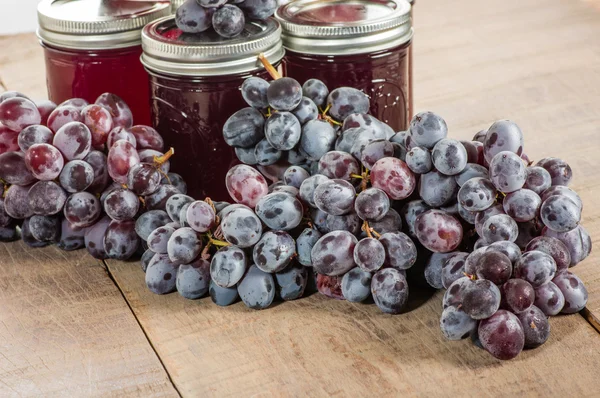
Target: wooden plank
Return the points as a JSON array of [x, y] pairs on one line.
[[65, 330], [22, 65]]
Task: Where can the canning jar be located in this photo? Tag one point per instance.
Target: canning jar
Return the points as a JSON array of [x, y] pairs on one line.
[[360, 43], [94, 46], [195, 82]]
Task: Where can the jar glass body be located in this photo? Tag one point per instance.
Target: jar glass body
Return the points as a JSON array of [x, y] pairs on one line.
[[383, 75], [189, 113], [88, 73]]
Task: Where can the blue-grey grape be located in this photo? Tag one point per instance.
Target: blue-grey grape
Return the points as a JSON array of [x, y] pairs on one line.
[[317, 91], [410, 211], [308, 186], [45, 228], [279, 210], [284, 94], [318, 137], [283, 131], [449, 156], [121, 204], [369, 254], [400, 251], [149, 221], [228, 266], [536, 327], [184, 246], [241, 227], [535, 267], [573, 290], [503, 135], [159, 238], [295, 176], [335, 197], [500, 227], [175, 204], [120, 240], [259, 9], [304, 244], [345, 101], [372, 204], [481, 299], [44, 197], [507, 172], [477, 194], [437, 189], [549, 299], [453, 268], [274, 251], [522, 205], [333, 254], [348, 222], [356, 285], [390, 290], [553, 247], [470, 171], [427, 129], [419, 160], [245, 128], [266, 154], [191, 17], [456, 324], [337, 164], [222, 296], [161, 274], [254, 92], [560, 214], [305, 111], [257, 288], [193, 280], [291, 282], [228, 21]]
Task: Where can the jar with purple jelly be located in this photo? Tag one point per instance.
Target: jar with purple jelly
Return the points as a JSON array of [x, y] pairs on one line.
[[362, 43], [195, 82]]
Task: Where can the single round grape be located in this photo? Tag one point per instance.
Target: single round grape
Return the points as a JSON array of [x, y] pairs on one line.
[[573, 290], [453, 297], [369, 254], [28, 238], [121, 204], [391, 222], [100, 123], [283, 130], [500, 227], [561, 190], [346, 140], [536, 327], [74, 140], [45, 228], [503, 135], [308, 186], [62, 115], [502, 335], [356, 285], [254, 92], [193, 279], [400, 251], [507, 172], [228, 266], [345, 101], [549, 299], [143, 179], [336, 164], [438, 231], [246, 185], [335, 197], [159, 238], [78, 103], [363, 138], [375, 151], [44, 161], [538, 179], [494, 266], [317, 91], [191, 17], [97, 160], [70, 238], [257, 288], [535, 267], [122, 156], [94, 238], [200, 216], [306, 111], [274, 251], [176, 181], [437, 189], [509, 249], [318, 138], [228, 21], [222, 296], [483, 216], [578, 242], [46, 198], [470, 171], [35, 134], [82, 209], [158, 200], [184, 246], [410, 211], [120, 240], [559, 170], [330, 286], [553, 247], [333, 254], [372, 204], [393, 176], [295, 176], [454, 268], [427, 129], [390, 290], [449, 156], [284, 94], [120, 133], [419, 160], [456, 324], [522, 205], [149, 221], [481, 299], [477, 194], [242, 228], [279, 210], [560, 214], [291, 282], [266, 154], [76, 176], [245, 128], [348, 222], [304, 244], [17, 113], [259, 9], [161, 274]]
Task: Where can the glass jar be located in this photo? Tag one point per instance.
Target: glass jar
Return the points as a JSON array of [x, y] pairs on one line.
[[195, 82], [94, 46], [361, 43]]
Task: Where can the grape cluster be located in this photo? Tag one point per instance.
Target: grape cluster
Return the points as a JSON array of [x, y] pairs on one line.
[[227, 18], [78, 174]]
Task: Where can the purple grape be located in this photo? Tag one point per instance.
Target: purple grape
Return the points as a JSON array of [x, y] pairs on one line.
[[560, 214], [369, 254], [502, 335], [494, 266], [191, 17], [159, 238], [71, 238], [345, 101], [222, 296], [438, 231], [561, 190], [228, 21], [333, 254], [336, 164], [391, 222], [284, 94], [45, 228], [481, 299], [259, 9], [434, 269], [94, 238], [376, 150], [335, 197], [553, 247], [509, 249], [522, 205], [372, 204], [573, 290], [517, 295], [200, 216], [274, 251], [120, 240], [449, 156], [538, 179], [427, 129], [400, 251], [535, 267], [308, 186], [295, 176], [390, 290], [456, 324], [507, 172], [477, 194], [279, 211], [536, 327], [453, 297], [35, 134], [503, 135], [549, 299], [559, 170], [46, 198], [453, 268], [149, 221], [410, 211], [161, 274], [470, 171], [98, 161], [348, 222], [158, 200], [419, 161], [500, 227], [28, 238], [578, 242], [121, 204], [317, 91]]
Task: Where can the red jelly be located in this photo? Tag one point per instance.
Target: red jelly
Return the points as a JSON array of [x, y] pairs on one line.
[[93, 47], [362, 43], [195, 81]]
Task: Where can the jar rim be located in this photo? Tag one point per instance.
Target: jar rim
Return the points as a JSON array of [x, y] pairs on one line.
[[208, 56], [85, 25], [320, 27]]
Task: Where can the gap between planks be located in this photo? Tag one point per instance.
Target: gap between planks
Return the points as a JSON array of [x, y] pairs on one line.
[[112, 278]]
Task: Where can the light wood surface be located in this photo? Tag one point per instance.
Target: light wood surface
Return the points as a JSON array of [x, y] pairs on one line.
[[65, 330]]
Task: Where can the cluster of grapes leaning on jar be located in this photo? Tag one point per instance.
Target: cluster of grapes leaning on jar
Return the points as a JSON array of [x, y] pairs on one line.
[[326, 198], [227, 18]]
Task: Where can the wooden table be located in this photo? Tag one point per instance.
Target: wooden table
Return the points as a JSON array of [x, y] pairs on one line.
[[73, 326]]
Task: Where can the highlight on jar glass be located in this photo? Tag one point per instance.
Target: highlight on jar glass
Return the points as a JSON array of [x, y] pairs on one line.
[[195, 82], [92, 47], [362, 44]]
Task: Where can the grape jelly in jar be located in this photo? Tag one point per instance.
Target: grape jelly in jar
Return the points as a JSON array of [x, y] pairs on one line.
[[195, 82], [360, 43], [94, 46]]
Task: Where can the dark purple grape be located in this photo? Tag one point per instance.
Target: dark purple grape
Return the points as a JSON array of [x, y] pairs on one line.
[[184, 246], [241, 227], [143, 179], [222, 296], [449, 156], [147, 138], [481, 299], [94, 238], [560, 214], [16, 203], [345, 101], [46, 198], [369, 254], [536, 327], [76, 176], [507, 172], [335, 197], [483, 216], [45, 228], [578, 242], [161, 274], [158, 200], [330, 286], [36, 134], [453, 268], [291, 282], [400, 251], [438, 231], [390, 290], [308, 186], [502, 335], [410, 211], [259, 9], [517, 295], [193, 279], [257, 288], [82, 209], [120, 240], [500, 227], [527, 232], [477, 194], [318, 138], [456, 324], [474, 152], [391, 222], [538, 179], [427, 129], [254, 91], [274, 251], [317, 91], [121, 204], [333, 254], [97, 160], [573, 290], [503, 135], [336, 164], [509, 249], [494, 266], [549, 299], [559, 170], [70, 238], [356, 285], [372, 204], [175, 180], [149, 221], [245, 128], [28, 238], [348, 222], [284, 94], [437, 189], [535, 267], [228, 266]]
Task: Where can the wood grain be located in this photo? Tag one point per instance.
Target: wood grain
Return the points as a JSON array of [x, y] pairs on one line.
[[65, 330]]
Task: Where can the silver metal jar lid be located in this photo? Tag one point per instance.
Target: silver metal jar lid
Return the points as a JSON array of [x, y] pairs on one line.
[[96, 24], [344, 27], [169, 51]]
